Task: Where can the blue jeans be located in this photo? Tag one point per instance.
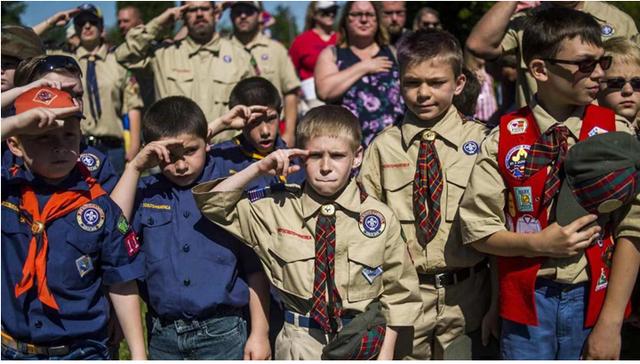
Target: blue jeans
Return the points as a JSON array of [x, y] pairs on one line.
[[84, 350], [560, 333], [217, 338]]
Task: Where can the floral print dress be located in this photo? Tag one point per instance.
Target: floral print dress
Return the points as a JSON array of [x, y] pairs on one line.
[[375, 99]]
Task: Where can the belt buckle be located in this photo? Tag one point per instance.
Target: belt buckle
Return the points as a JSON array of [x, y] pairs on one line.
[[58, 350], [438, 280]]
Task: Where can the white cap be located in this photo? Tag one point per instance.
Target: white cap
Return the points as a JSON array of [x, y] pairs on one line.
[[326, 4]]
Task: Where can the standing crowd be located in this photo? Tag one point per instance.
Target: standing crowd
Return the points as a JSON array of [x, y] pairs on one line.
[[372, 192]]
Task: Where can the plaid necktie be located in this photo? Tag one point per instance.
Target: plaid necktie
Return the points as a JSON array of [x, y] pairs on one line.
[[327, 305], [551, 147], [92, 87], [427, 188]]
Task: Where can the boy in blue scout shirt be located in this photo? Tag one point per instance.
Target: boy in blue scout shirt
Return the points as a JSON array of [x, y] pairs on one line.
[[64, 242], [191, 315], [259, 137]]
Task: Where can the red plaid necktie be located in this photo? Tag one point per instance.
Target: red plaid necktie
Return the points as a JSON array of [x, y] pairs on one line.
[[427, 188], [327, 305], [550, 148]]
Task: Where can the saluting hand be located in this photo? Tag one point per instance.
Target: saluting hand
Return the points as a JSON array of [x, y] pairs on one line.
[[154, 153], [60, 19], [170, 15], [36, 121], [278, 163], [567, 241]]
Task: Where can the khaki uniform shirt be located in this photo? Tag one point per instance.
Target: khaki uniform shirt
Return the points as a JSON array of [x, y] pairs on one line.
[[388, 172], [482, 207], [273, 62], [613, 22], [281, 230], [204, 73], [118, 95]]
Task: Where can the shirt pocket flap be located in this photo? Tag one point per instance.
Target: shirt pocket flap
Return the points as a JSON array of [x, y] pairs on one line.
[[398, 192], [365, 272], [85, 241], [288, 251], [151, 217], [180, 75], [398, 179], [365, 256], [456, 185]]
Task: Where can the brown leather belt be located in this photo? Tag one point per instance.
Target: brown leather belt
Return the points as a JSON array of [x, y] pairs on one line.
[[31, 349], [445, 279]]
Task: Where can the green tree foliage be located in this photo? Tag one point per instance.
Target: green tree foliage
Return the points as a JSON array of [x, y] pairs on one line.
[[284, 30], [11, 12]]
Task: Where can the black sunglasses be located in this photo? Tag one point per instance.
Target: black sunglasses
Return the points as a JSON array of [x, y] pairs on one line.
[[53, 63], [619, 82], [585, 66], [328, 12]]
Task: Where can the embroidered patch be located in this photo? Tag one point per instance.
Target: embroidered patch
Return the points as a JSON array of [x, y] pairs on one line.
[[90, 161], [90, 217], [10, 206], [528, 224], [511, 205], [523, 199], [516, 159], [517, 126], [283, 231], [154, 206], [596, 130], [370, 274], [123, 224], [395, 165], [602, 281], [607, 256], [84, 265], [264, 57], [470, 148], [226, 59], [45, 97], [607, 30], [131, 243], [372, 223], [257, 194], [509, 223]]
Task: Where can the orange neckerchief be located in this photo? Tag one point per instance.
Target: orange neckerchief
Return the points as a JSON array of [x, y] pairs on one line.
[[60, 204]]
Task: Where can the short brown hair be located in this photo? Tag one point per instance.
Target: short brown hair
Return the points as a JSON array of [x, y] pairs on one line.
[[382, 35], [623, 50], [330, 121], [425, 44]]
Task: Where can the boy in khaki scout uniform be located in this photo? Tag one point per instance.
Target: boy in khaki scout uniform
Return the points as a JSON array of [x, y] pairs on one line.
[[499, 32], [203, 67], [269, 59], [328, 247], [552, 275], [420, 169]]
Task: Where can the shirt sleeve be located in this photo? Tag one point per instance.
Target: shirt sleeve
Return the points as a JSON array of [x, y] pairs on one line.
[[131, 98], [369, 174], [482, 206], [290, 80], [136, 50]]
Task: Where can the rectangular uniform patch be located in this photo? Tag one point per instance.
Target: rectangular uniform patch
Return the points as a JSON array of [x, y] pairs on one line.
[[524, 199], [84, 265], [123, 225], [284, 231], [131, 241], [11, 206], [395, 165], [154, 206], [370, 274]]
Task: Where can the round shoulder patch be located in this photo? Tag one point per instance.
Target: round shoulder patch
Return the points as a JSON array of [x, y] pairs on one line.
[[372, 223], [226, 58], [470, 147], [91, 161], [607, 30], [90, 217]]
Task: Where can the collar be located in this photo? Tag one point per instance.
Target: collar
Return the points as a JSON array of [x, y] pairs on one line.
[[348, 200], [100, 53], [193, 48], [258, 41], [544, 120], [448, 128]]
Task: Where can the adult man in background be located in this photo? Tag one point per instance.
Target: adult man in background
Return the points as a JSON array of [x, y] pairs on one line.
[[394, 18]]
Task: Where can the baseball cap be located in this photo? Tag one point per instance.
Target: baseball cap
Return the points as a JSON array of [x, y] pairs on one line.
[[44, 97], [253, 4], [602, 174], [88, 12], [20, 42], [323, 5]]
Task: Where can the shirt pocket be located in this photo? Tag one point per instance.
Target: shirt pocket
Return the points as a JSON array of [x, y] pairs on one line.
[[365, 271], [456, 184], [292, 269], [157, 234], [398, 192], [84, 250], [180, 82]]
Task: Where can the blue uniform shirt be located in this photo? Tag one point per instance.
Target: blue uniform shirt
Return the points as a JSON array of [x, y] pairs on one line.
[[84, 256], [191, 265], [237, 154], [96, 162]]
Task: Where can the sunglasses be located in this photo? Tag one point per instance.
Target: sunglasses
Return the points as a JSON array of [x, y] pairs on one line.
[[10, 63], [55, 63], [80, 22], [619, 82], [329, 12], [585, 66], [243, 9]]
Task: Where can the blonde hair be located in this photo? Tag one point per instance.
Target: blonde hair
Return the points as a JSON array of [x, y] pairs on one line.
[[623, 50], [329, 121], [382, 35]]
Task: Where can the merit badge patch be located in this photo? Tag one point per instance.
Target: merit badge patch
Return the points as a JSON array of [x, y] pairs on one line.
[[84, 265], [226, 59], [123, 225], [45, 97], [372, 223], [90, 161], [370, 274], [607, 30], [90, 217], [515, 160], [131, 243], [524, 199], [470, 148], [595, 131], [602, 281], [528, 224], [517, 126]]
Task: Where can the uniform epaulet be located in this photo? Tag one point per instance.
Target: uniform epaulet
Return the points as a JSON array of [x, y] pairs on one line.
[[262, 192]]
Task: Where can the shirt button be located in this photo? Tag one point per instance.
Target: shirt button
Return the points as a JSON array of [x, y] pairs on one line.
[[150, 221], [38, 324], [186, 248], [186, 282], [186, 214], [429, 135]]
